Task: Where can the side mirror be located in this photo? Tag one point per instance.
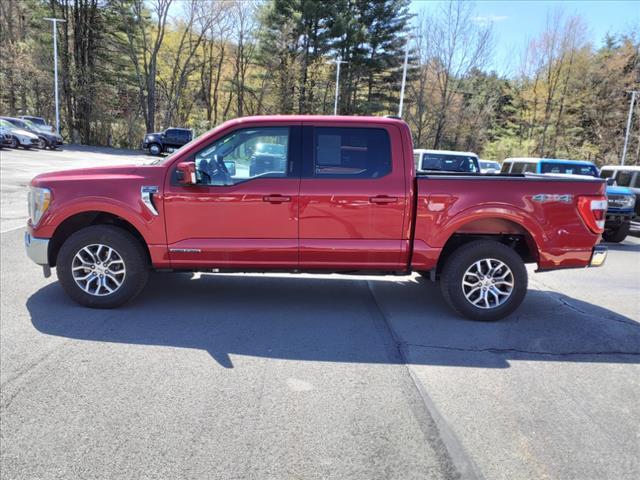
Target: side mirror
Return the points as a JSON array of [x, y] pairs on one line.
[[186, 173], [231, 167], [611, 181]]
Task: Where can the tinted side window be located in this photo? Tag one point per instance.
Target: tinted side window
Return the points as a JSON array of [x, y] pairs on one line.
[[351, 152], [243, 155], [624, 178], [518, 167], [606, 173], [505, 167], [636, 181]]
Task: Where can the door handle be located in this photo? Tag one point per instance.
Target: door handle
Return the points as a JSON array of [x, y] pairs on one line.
[[383, 199], [276, 198]]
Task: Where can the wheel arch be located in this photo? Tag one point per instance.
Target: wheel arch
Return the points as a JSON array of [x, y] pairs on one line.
[[80, 220], [491, 227]]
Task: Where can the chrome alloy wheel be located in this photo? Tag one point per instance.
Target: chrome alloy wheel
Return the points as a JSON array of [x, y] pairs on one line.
[[488, 283], [98, 270]]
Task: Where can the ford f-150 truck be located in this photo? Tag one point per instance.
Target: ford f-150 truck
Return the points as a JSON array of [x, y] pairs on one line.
[[344, 197]]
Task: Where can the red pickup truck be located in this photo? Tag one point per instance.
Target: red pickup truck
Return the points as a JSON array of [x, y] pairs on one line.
[[310, 194]]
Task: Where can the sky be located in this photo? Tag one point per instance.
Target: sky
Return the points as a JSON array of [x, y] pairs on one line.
[[516, 22]]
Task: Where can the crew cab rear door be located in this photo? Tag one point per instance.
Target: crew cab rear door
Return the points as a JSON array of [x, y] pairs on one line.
[[242, 217], [353, 196]]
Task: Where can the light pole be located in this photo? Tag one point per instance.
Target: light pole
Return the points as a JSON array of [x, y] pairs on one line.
[[54, 23], [337, 62], [626, 135], [404, 77]]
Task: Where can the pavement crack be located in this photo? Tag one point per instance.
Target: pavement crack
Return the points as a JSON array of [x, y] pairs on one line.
[[458, 459], [518, 350]]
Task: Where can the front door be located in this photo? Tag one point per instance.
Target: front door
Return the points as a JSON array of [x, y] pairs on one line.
[[243, 211], [353, 198]]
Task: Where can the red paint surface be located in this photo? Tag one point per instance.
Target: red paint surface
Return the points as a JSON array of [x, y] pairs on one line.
[[334, 224]]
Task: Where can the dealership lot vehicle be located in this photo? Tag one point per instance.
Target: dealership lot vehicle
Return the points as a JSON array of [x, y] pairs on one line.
[[489, 166], [353, 205], [315, 376], [445, 161], [625, 176], [20, 137], [48, 138], [166, 142]]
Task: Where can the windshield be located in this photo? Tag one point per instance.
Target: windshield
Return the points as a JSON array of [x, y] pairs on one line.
[[569, 169], [4, 123], [448, 163], [33, 126]]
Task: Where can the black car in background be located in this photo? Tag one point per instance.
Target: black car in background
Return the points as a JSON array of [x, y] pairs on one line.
[[48, 138], [168, 141]]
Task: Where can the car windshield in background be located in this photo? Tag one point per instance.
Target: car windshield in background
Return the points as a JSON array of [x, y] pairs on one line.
[[448, 163], [495, 165], [569, 169], [270, 149]]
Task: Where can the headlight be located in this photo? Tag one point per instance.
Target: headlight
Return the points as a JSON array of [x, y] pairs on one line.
[[39, 201]]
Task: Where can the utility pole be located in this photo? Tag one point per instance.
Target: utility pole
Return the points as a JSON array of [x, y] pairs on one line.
[[337, 62], [54, 23], [626, 135], [404, 77]]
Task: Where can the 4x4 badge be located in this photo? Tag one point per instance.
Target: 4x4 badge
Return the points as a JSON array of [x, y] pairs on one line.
[[552, 197]]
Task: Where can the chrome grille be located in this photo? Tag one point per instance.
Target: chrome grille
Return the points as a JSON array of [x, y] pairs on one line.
[[616, 201]]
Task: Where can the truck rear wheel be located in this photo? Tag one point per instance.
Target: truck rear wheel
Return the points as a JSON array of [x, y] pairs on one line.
[[618, 234], [102, 266], [484, 280]]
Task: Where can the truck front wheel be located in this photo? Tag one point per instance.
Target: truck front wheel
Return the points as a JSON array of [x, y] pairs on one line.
[[102, 266], [155, 149], [484, 280], [617, 234]]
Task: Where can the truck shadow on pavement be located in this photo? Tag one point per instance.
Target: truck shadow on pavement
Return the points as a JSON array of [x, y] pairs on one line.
[[340, 320]]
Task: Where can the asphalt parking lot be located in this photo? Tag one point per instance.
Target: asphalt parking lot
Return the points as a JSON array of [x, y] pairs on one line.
[[304, 377]]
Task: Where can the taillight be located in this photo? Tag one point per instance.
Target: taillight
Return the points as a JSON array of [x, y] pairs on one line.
[[593, 211]]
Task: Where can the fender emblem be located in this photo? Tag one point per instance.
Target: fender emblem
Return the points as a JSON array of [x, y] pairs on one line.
[[185, 250]]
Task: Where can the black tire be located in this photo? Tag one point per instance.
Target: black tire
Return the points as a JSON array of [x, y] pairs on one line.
[[155, 149], [617, 235], [465, 257], [129, 248]]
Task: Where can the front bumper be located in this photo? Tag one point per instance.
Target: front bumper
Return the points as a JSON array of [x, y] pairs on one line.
[[37, 249], [598, 256]]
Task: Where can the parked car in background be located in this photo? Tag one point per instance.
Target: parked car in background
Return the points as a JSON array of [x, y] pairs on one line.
[[445, 161], [168, 141], [37, 120], [620, 200], [48, 138], [625, 176], [20, 137], [267, 157], [5, 137], [346, 199], [489, 166]]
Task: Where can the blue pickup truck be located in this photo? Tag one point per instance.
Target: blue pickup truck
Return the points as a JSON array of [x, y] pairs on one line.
[[621, 200]]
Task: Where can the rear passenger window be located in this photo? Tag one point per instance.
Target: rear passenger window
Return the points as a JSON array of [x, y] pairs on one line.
[[505, 167], [351, 152], [606, 174]]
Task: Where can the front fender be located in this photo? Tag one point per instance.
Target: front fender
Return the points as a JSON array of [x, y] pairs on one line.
[[135, 212]]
